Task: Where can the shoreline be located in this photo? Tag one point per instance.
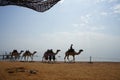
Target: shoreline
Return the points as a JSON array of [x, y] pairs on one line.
[[62, 61]]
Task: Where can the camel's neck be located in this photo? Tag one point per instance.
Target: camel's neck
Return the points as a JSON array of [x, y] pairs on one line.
[[78, 53], [56, 52], [20, 52], [33, 53]]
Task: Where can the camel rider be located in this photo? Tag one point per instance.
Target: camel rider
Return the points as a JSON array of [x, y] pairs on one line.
[[71, 49]]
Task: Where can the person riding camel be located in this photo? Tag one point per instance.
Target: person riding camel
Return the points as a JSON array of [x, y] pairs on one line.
[[71, 49]]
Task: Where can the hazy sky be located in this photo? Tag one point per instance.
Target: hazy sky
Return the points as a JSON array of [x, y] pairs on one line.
[[91, 25]]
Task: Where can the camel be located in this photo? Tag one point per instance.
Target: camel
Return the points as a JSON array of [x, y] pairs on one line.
[[15, 54], [49, 55], [45, 56], [28, 54], [72, 52], [52, 55]]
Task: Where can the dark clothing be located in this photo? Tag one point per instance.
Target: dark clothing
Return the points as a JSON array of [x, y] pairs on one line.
[[71, 49]]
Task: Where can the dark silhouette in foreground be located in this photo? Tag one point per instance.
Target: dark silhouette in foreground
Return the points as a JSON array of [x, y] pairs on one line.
[[37, 5]]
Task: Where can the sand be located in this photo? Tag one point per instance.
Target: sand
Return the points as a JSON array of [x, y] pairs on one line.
[[59, 71]]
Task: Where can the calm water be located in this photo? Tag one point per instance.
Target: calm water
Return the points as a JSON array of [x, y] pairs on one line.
[[78, 58]]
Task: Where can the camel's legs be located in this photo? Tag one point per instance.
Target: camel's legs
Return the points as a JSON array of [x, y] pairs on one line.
[[50, 57], [21, 58], [65, 58], [54, 58], [31, 58], [14, 58], [68, 58], [45, 59], [18, 58], [11, 57], [73, 58], [27, 58], [42, 59]]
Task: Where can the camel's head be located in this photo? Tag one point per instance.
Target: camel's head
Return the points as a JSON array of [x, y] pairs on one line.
[[81, 50], [35, 52], [58, 50], [21, 51]]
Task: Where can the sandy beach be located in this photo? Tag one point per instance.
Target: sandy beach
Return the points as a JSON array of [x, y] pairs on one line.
[[59, 71]]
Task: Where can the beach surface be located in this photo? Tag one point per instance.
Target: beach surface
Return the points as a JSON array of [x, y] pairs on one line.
[[10, 70]]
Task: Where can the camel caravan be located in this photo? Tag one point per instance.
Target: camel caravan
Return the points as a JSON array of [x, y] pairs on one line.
[[16, 56], [48, 56]]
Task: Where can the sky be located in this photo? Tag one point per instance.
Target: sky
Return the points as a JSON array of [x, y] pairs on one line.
[[91, 25]]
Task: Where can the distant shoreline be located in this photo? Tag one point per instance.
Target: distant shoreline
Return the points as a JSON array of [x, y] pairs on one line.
[[63, 61]]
